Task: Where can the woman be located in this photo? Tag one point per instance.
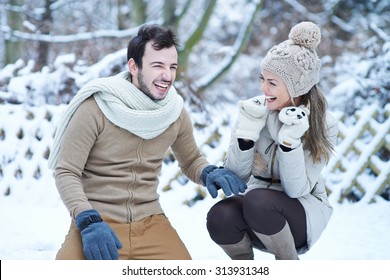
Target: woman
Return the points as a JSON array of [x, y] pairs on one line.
[[280, 143]]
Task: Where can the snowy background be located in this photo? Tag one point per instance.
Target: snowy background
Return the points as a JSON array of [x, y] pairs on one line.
[[355, 76]]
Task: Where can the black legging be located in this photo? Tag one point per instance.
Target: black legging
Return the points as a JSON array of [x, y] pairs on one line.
[[261, 210]]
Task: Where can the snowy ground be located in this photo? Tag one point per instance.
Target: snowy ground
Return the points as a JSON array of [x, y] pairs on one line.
[[34, 223]]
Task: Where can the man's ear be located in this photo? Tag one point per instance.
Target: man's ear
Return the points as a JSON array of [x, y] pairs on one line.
[[132, 66]]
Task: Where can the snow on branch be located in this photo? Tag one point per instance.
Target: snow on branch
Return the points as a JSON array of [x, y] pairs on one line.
[[14, 34], [235, 49], [302, 10], [379, 32], [343, 25]]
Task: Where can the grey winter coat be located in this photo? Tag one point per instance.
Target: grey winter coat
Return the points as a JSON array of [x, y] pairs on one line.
[[299, 177]]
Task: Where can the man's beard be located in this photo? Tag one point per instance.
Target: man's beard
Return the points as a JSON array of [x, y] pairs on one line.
[[144, 88]]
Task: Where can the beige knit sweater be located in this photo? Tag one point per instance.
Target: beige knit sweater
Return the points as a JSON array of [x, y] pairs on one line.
[[107, 168]]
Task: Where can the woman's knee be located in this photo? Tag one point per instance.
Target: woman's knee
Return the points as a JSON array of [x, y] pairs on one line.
[[225, 221], [259, 200], [261, 211], [223, 212]]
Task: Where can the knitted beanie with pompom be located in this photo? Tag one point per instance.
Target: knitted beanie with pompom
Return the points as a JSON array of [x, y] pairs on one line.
[[295, 60]]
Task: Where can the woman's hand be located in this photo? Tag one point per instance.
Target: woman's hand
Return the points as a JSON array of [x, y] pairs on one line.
[[295, 123], [251, 118]]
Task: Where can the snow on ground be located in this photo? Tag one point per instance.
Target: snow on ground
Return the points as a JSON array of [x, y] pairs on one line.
[[35, 224]]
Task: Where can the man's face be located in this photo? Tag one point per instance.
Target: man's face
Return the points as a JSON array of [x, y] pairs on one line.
[[158, 71]]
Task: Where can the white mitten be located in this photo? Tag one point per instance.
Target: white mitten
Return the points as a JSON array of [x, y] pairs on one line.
[[295, 123], [251, 119]]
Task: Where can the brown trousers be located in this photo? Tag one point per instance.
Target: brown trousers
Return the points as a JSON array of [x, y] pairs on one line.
[[152, 238]]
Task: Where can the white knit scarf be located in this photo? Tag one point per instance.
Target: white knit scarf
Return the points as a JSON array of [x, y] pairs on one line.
[[125, 106]]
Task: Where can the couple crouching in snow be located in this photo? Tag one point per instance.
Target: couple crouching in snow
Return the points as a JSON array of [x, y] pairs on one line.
[[113, 136]]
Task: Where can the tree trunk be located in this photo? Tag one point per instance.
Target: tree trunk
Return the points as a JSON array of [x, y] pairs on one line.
[[14, 48], [138, 12], [169, 14], [44, 27], [196, 36], [121, 16]]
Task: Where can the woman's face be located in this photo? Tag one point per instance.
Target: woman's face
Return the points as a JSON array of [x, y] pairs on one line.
[[275, 91]]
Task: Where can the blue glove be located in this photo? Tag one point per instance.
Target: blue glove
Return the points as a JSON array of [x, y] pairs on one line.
[[220, 178], [99, 240]]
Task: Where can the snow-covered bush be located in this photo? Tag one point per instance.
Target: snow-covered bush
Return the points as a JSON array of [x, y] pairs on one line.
[[361, 80]]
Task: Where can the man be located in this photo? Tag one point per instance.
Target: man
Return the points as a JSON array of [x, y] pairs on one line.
[[108, 152]]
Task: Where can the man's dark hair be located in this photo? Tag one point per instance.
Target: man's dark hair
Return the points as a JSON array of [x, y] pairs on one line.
[[160, 36]]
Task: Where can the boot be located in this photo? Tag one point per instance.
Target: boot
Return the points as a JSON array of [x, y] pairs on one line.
[[281, 244], [239, 251]]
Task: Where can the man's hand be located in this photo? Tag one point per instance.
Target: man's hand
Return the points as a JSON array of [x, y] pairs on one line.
[[99, 240], [216, 178]]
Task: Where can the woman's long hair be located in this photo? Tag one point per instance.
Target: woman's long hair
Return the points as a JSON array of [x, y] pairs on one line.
[[316, 140]]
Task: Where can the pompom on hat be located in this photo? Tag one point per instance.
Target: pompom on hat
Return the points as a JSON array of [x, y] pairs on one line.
[[295, 60]]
